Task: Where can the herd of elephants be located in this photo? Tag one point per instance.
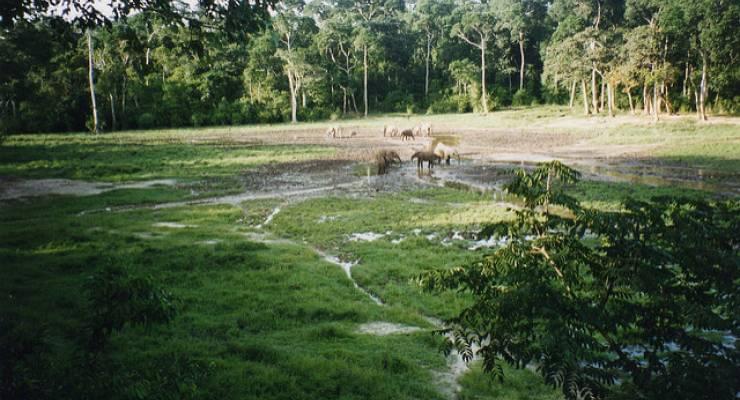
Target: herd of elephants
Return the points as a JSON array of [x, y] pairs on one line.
[[385, 158]]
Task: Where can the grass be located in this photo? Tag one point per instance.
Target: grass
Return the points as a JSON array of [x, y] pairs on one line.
[[259, 320]]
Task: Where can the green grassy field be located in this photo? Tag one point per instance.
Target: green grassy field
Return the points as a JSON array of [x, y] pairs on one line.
[[260, 314]]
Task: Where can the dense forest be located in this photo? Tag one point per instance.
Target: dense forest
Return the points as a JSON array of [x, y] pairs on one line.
[[330, 58]]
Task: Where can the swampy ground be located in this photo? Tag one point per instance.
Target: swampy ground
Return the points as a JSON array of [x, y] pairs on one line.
[[291, 263]]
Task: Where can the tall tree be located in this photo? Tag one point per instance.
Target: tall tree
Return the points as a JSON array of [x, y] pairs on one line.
[[91, 77], [430, 19], [519, 18], [476, 27]]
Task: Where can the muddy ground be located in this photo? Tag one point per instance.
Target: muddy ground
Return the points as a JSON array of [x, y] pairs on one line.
[[487, 156]]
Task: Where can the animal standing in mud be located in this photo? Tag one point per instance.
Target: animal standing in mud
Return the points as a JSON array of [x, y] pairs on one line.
[[427, 156], [390, 130], [424, 129], [384, 158], [445, 152], [407, 134], [332, 131], [336, 132]]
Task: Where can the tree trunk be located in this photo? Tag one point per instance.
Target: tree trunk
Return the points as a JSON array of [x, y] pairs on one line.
[[594, 97], [364, 63], [585, 97], [685, 89], [303, 98], [112, 111], [572, 94], [645, 99], [656, 103], [601, 95], [609, 101], [629, 96], [123, 99], [484, 98], [293, 100], [354, 103], [92, 80], [429, 55], [703, 90], [521, 64], [344, 100]]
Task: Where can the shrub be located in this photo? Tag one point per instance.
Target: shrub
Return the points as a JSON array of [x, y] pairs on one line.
[[146, 121], [645, 296], [521, 98]]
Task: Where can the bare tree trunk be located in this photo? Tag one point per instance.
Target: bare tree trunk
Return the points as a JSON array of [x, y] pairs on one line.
[[572, 94], [364, 63], [601, 95], [609, 101], [521, 64], [629, 96], [594, 98], [429, 55], [685, 89], [703, 90], [656, 103], [645, 99], [585, 97], [293, 100], [92, 80], [112, 110], [303, 98], [484, 98], [354, 103], [344, 100], [123, 99]]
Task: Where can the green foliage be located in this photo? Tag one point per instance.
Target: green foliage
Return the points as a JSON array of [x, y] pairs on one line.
[[591, 298], [118, 298]]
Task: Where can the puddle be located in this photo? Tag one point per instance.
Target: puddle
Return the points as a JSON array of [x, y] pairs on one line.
[[18, 188], [488, 243], [386, 328], [366, 237], [660, 175], [173, 225], [209, 242], [448, 140]]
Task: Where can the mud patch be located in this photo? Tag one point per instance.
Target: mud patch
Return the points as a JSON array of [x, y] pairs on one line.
[[11, 188], [386, 328]]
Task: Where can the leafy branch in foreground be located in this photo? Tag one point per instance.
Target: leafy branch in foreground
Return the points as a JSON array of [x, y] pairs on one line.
[[640, 303]]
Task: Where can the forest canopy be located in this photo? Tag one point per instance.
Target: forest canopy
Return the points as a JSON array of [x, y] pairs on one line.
[[159, 64]]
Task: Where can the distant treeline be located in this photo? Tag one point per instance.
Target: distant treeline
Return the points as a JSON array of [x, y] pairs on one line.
[[330, 58]]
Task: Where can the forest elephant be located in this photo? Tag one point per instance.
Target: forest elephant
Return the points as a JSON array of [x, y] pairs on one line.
[[424, 129], [445, 152], [334, 131], [407, 134], [384, 158], [390, 130], [427, 156]]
